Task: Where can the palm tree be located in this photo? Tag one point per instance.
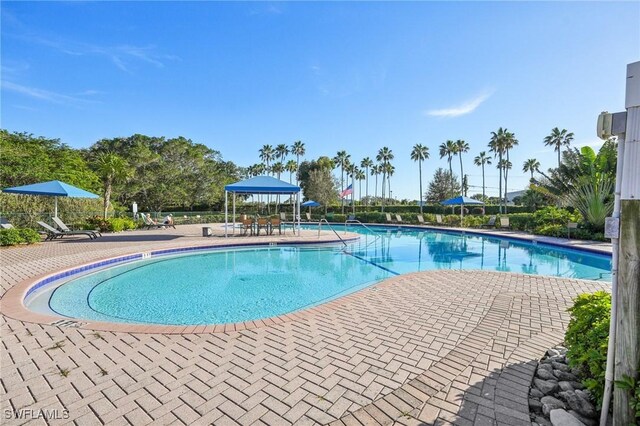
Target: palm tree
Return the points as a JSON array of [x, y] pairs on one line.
[[480, 160], [531, 165], [366, 163], [448, 149], [266, 155], [352, 170], [390, 170], [461, 146], [504, 165], [375, 171], [509, 143], [277, 168], [496, 145], [360, 176], [557, 139], [291, 167], [282, 150], [420, 153], [298, 150], [385, 155], [342, 160], [111, 168]]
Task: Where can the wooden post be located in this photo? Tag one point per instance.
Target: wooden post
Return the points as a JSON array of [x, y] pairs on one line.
[[627, 346]]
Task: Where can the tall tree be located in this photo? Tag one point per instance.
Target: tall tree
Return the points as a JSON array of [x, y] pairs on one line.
[[267, 154], [360, 176], [298, 150], [461, 147], [375, 171], [321, 187], [385, 155], [509, 143], [390, 170], [342, 160], [440, 187], [420, 153], [448, 149], [497, 146], [557, 139], [111, 168], [481, 160], [366, 163], [352, 170], [531, 165], [281, 151], [291, 167]]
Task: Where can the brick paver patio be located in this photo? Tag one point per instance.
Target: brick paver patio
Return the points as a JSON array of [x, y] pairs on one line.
[[439, 347]]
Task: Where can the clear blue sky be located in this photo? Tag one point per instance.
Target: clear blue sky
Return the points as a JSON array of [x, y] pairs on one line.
[[352, 76]]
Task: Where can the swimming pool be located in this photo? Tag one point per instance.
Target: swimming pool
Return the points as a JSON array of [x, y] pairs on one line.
[[243, 284]]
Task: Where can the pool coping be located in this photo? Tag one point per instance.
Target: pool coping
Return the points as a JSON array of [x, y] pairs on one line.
[[13, 300]]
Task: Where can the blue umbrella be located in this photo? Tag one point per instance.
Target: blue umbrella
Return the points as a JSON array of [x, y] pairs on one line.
[[310, 203], [461, 201], [53, 188]]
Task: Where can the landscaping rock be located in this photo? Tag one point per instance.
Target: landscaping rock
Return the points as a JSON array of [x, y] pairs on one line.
[[535, 393], [560, 417], [562, 376], [580, 405], [553, 352], [547, 387], [577, 385], [550, 403], [535, 406], [542, 421], [548, 367], [560, 366], [584, 394], [545, 374], [587, 421], [566, 386]]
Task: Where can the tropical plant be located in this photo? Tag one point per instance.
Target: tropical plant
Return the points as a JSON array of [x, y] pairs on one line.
[[448, 149], [281, 152], [366, 164], [557, 139], [298, 150], [461, 147], [385, 155], [360, 176], [531, 165], [420, 153], [111, 168], [342, 160], [510, 142], [480, 160], [267, 154], [497, 145], [376, 171], [291, 167], [593, 201]]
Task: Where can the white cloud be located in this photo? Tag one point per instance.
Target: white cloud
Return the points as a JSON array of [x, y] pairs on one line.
[[465, 108], [45, 95]]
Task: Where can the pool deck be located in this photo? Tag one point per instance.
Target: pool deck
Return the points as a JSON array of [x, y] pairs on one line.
[[438, 347]]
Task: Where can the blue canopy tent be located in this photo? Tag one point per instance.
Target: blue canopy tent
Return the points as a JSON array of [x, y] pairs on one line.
[[259, 185], [462, 201], [54, 189]]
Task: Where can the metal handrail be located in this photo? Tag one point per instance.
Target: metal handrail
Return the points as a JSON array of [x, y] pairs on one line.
[[376, 235], [334, 231]]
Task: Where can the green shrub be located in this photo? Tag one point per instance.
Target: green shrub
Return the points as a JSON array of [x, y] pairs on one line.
[[633, 386], [29, 236], [551, 230], [112, 224], [586, 339], [15, 236]]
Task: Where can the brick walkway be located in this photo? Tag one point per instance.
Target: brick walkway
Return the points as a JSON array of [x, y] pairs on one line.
[[435, 347]]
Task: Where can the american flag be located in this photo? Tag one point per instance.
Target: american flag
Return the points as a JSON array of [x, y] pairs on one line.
[[347, 191]]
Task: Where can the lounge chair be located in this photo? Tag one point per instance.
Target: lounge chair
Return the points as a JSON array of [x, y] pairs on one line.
[[389, 219], [53, 233], [399, 218], [149, 223], [64, 228], [308, 215], [504, 223], [263, 223], [4, 224], [275, 223], [439, 219], [490, 224], [351, 217], [283, 216]]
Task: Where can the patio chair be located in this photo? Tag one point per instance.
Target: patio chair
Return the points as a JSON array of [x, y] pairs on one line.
[[53, 233], [247, 226], [389, 219], [439, 219], [504, 223], [149, 223], [351, 217], [421, 220], [4, 224], [490, 224], [308, 215], [275, 223], [64, 228], [263, 223], [399, 219], [283, 216]]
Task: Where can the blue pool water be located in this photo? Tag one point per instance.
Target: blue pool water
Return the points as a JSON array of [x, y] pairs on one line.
[[213, 287]]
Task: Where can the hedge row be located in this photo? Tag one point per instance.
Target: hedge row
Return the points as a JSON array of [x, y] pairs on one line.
[[15, 236]]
